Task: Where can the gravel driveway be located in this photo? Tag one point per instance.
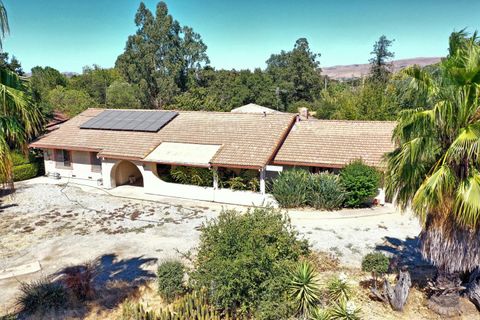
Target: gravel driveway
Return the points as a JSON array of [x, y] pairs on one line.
[[61, 225]]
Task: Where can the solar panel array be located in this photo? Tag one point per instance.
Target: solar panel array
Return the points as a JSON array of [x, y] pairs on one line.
[[123, 120]]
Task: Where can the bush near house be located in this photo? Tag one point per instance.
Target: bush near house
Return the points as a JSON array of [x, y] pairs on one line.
[[361, 183], [25, 167], [297, 188], [244, 260], [291, 187], [325, 191], [241, 180], [192, 175]]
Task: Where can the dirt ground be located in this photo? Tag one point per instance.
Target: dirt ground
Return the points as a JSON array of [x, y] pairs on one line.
[[62, 225]]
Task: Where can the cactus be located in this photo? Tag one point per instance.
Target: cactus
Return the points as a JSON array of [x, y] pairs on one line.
[[192, 306]]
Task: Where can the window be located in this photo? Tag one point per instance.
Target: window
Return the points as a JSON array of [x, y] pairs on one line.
[[47, 154], [63, 159], [95, 162]]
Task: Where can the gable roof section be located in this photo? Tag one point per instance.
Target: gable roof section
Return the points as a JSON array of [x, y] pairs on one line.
[[247, 140], [334, 144]]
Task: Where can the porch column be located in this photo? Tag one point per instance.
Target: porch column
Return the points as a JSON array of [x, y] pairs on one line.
[[215, 178], [262, 181]]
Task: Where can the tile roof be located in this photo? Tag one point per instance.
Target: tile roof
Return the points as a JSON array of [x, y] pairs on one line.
[[248, 140], [333, 144]]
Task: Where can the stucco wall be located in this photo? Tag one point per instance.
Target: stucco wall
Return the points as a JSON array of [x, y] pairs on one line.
[[81, 169], [154, 185]]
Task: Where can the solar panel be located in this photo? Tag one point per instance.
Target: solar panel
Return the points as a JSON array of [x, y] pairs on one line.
[[123, 120]]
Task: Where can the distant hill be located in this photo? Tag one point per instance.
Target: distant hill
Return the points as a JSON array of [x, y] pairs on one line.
[[360, 70]]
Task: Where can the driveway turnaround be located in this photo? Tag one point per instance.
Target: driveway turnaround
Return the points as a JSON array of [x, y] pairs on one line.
[[55, 225]]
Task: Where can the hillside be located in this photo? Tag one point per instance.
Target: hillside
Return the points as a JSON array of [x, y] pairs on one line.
[[359, 70]]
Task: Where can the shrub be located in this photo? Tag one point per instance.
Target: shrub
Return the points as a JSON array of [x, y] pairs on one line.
[[19, 158], [192, 175], [170, 279], [243, 260], [338, 289], [326, 191], [290, 188], [361, 183], [25, 171], [304, 288], [79, 280], [41, 296], [376, 263]]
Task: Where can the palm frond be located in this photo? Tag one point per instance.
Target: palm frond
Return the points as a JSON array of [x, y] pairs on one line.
[[4, 28], [467, 201], [434, 192]]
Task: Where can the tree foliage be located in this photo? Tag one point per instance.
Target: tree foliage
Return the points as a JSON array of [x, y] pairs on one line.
[[380, 66], [160, 57], [296, 74], [435, 167], [69, 101]]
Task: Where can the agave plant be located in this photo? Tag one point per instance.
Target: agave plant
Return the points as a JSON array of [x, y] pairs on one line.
[[344, 310], [304, 288], [338, 289]]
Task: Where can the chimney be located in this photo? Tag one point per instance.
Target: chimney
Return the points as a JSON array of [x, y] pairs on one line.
[[303, 112]]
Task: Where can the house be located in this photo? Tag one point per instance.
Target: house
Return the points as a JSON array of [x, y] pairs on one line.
[[111, 148], [332, 144]]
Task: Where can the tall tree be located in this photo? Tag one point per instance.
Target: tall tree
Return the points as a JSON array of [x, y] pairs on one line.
[[296, 73], [435, 168], [160, 56], [11, 64], [380, 65], [20, 119]]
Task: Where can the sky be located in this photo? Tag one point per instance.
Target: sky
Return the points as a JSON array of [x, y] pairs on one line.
[[69, 34]]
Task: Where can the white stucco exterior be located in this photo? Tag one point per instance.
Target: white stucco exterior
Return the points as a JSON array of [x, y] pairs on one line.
[[81, 172], [80, 169]]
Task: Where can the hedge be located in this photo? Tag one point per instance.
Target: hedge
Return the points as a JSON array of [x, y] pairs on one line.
[[25, 171]]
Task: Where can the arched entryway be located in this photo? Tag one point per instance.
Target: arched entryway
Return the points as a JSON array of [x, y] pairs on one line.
[[126, 173]]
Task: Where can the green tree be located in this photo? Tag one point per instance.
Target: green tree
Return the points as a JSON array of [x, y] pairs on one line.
[[70, 101], [160, 56], [20, 119], [296, 74], [435, 167], [121, 94], [11, 64], [43, 80], [380, 66], [95, 80]]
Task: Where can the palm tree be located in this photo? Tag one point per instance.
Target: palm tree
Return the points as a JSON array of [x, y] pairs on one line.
[[20, 119], [436, 168], [4, 28]]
